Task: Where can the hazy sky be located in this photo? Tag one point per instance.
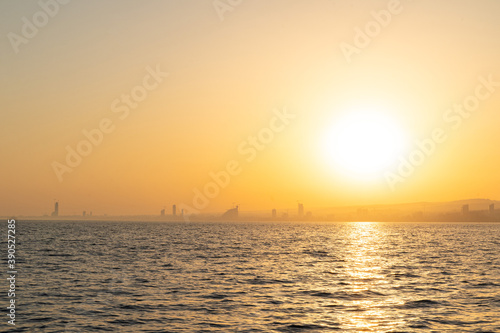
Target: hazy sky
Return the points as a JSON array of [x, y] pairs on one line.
[[227, 81]]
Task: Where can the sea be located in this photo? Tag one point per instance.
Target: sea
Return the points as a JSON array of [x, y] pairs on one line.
[[105, 276]]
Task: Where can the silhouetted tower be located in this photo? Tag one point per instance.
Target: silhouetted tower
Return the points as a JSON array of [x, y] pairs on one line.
[[56, 209], [273, 213], [84, 213], [301, 210], [492, 208], [174, 210], [162, 213], [465, 209]]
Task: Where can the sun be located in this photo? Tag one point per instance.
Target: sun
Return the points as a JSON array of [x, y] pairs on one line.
[[363, 143]]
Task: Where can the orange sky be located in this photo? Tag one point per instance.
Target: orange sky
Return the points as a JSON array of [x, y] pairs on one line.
[[204, 86]]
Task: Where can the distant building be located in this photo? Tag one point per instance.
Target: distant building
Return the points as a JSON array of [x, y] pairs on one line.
[[301, 210], [465, 209], [174, 210], [230, 214], [162, 213], [56, 209], [273, 212], [492, 208], [84, 213]]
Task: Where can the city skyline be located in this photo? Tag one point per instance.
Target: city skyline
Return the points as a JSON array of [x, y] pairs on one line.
[[472, 210]]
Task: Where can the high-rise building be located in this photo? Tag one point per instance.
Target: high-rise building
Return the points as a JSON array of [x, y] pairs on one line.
[[56, 209], [84, 213], [301, 210], [273, 213], [492, 208], [174, 210], [465, 209], [162, 213]]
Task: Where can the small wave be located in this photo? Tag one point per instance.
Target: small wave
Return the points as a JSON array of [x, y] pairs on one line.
[[419, 324], [135, 307], [486, 284], [141, 280], [126, 322], [259, 281], [459, 323], [316, 253], [305, 327], [218, 325], [423, 303], [40, 319], [322, 294], [405, 275], [346, 295], [216, 296]]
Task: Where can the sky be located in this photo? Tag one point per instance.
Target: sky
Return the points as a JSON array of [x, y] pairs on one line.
[[208, 104]]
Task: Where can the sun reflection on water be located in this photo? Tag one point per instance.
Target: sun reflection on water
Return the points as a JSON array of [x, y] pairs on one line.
[[366, 270]]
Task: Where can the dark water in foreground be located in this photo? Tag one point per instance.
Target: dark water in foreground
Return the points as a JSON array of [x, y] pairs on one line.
[[256, 277]]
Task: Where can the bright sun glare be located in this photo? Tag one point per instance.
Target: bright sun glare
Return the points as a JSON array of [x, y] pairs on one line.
[[364, 143]]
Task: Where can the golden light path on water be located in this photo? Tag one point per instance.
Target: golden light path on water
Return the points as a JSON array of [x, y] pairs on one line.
[[366, 242]]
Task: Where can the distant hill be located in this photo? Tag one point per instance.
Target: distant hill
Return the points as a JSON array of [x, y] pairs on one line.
[[431, 207], [416, 211]]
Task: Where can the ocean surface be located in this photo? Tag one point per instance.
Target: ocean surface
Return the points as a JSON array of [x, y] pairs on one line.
[[255, 277]]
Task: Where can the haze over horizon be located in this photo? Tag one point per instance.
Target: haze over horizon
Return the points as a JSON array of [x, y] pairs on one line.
[[277, 102]]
